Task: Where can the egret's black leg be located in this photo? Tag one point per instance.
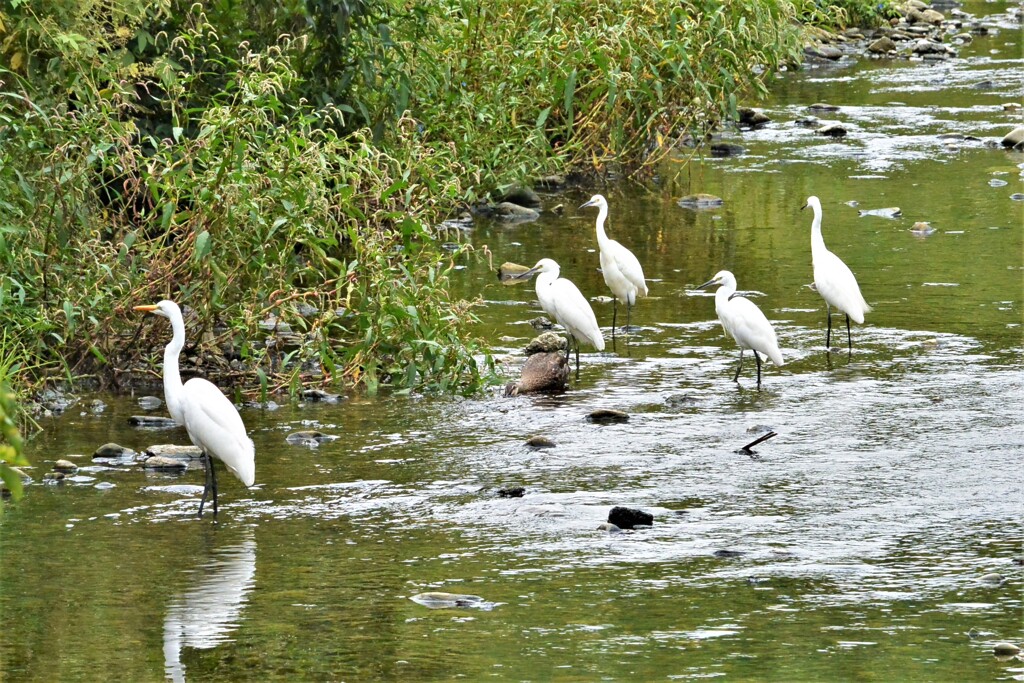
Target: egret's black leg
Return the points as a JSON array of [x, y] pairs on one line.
[[828, 331], [736, 377], [213, 478], [849, 339], [577, 359], [568, 347], [629, 309], [207, 468], [758, 359], [615, 311]]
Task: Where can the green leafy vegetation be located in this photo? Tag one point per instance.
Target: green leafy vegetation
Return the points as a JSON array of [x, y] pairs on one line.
[[293, 164]]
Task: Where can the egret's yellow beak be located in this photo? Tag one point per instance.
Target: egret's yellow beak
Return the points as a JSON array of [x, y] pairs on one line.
[[149, 308]]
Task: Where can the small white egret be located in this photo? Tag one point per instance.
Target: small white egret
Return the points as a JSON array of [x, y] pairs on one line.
[[834, 280], [212, 422], [562, 300], [622, 271], [741, 318]]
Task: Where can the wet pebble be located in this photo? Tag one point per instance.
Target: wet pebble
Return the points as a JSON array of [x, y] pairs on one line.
[[540, 442], [511, 492], [607, 416], [151, 422], [752, 117], [64, 466], [439, 600], [509, 212], [627, 518], [321, 396], [832, 130], [1014, 139], [164, 464], [888, 212], [541, 323], [729, 553], [309, 437], [97, 406], [822, 106], [1005, 649], [883, 45], [170, 450], [113, 450], [609, 527], [993, 578], [700, 201]]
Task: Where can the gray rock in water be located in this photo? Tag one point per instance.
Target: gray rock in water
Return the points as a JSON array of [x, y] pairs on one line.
[[541, 323], [700, 201], [609, 527], [1005, 649], [439, 600], [627, 518], [97, 406], [511, 492], [53, 478], [822, 106], [729, 553], [832, 130], [112, 450], [994, 578], [542, 372], [523, 196], [64, 466], [891, 212], [507, 211], [170, 450], [752, 117], [607, 416], [152, 422], [546, 343], [883, 45], [823, 52], [1014, 139], [540, 442], [164, 464], [149, 402], [303, 438], [321, 396]]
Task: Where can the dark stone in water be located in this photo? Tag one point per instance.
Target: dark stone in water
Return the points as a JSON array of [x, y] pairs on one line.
[[681, 401], [112, 450], [523, 196], [726, 149], [540, 442], [832, 130], [752, 117], [822, 106], [303, 437], [164, 464], [321, 396], [541, 323], [511, 492], [152, 422], [607, 416], [1005, 649], [729, 553], [627, 518], [507, 211], [150, 403], [542, 372]]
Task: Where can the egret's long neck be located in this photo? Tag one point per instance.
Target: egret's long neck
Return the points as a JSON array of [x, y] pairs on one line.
[[602, 215], [817, 242], [173, 389], [545, 279], [724, 292]]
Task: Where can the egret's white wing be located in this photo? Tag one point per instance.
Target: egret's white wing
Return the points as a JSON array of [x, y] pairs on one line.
[[572, 311], [215, 426], [629, 266]]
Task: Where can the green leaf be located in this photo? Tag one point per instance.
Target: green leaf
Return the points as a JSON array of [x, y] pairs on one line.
[[203, 245]]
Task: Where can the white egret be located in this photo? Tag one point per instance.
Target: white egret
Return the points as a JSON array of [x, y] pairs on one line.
[[834, 280], [622, 271], [209, 417], [741, 318], [562, 300]]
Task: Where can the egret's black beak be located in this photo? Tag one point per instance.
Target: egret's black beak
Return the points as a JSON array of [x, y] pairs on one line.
[[526, 275], [710, 282], [586, 204], [804, 207]]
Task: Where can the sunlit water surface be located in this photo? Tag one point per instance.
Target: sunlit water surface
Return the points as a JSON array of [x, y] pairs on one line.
[[862, 536]]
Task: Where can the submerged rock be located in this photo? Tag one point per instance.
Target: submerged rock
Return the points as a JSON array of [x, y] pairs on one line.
[[541, 323], [729, 553], [321, 396], [609, 527], [64, 466], [507, 211], [752, 117], [304, 437], [152, 422], [822, 106], [726, 149], [627, 518], [542, 372], [508, 273], [150, 402], [1005, 649], [890, 212], [546, 343], [607, 416], [162, 463], [540, 442], [832, 130], [439, 600], [700, 201], [522, 196]]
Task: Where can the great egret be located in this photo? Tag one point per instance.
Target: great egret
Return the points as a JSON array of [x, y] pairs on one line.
[[562, 300], [834, 280], [622, 271], [209, 417], [741, 318]]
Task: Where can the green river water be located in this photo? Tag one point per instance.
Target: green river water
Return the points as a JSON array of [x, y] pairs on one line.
[[864, 534]]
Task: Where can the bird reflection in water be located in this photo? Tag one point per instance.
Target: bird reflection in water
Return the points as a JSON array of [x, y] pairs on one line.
[[204, 614]]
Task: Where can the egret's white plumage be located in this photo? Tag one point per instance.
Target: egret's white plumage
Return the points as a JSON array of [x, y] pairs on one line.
[[833, 279], [564, 302], [211, 420], [742, 319], [621, 269]]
